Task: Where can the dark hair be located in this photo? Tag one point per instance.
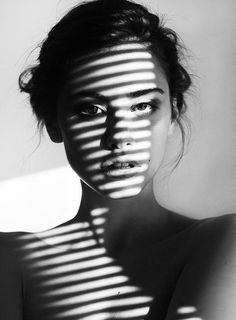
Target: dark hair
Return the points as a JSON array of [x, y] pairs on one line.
[[94, 25]]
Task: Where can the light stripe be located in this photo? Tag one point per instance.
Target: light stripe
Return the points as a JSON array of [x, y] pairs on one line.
[[55, 231], [117, 80], [115, 58], [62, 248], [85, 244], [98, 211], [141, 145], [130, 66], [137, 146], [89, 134], [127, 192], [135, 134], [124, 112], [91, 285], [98, 316], [98, 221], [99, 230], [134, 157], [42, 253], [133, 124], [83, 275], [95, 155], [102, 294], [63, 229], [57, 240], [186, 309], [69, 257], [94, 167], [90, 145], [101, 177], [138, 312], [192, 318], [135, 46], [122, 90], [85, 124], [97, 306], [121, 183], [97, 177], [75, 266]]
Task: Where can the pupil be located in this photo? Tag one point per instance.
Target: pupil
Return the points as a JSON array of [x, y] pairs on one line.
[[142, 106], [92, 110]]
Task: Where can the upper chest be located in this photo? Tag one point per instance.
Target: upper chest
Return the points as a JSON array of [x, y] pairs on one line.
[[89, 284]]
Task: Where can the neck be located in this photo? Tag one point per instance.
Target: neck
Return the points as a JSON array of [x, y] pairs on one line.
[[122, 221]]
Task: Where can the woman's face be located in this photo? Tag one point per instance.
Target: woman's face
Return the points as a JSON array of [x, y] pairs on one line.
[[114, 115]]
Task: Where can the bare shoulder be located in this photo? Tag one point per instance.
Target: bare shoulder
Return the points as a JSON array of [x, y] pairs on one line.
[[225, 222], [208, 280], [217, 228], [11, 278], [9, 240], [15, 246]]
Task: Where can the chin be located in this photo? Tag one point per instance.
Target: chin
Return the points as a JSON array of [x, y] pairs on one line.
[[125, 193]]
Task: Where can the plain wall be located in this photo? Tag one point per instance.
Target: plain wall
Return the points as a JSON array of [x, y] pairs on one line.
[[38, 190]]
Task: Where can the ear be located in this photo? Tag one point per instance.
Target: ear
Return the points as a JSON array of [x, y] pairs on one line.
[[54, 132]]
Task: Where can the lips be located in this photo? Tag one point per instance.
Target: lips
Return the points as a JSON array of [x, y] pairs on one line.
[[122, 165], [119, 164]]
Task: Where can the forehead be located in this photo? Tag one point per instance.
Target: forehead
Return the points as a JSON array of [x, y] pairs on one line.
[[116, 71]]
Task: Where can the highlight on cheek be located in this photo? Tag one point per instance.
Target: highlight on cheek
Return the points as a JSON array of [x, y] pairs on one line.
[[114, 101], [90, 134]]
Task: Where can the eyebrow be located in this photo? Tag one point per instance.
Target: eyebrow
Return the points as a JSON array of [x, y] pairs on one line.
[[146, 91], [135, 94]]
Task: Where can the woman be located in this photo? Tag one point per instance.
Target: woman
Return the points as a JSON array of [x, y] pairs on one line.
[[110, 85]]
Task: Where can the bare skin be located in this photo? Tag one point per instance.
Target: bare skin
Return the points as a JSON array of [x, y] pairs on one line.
[[128, 217], [135, 227], [126, 225], [123, 256]]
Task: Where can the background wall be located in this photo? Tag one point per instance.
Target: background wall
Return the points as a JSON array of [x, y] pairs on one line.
[[38, 190]]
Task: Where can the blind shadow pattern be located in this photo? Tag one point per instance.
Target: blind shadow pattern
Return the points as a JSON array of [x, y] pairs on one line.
[[67, 274], [110, 99], [70, 276]]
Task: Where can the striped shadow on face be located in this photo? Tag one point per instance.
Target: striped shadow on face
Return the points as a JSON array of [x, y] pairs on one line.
[[108, 111]]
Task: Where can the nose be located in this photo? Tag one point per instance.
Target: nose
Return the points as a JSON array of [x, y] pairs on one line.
[[116, 138], [119, 145]]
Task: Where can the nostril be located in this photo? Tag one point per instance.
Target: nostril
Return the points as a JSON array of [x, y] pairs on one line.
[[119, 145], [113, 146]]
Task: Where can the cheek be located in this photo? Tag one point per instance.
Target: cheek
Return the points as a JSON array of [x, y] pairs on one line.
[[159, 140], [82, 144]]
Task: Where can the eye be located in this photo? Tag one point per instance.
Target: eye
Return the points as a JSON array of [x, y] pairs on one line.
[[144, 108], [89, 110]]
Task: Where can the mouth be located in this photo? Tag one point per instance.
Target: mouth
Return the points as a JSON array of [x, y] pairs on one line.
[[118, 169], [119, 164]]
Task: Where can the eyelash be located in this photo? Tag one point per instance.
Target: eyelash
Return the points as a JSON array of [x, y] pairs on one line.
[[154, 106]]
